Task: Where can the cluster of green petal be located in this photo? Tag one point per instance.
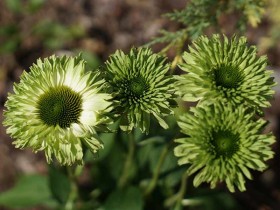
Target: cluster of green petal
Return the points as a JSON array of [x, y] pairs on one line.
[[222, 143], [227, 71], [138, 81], [56, 107]]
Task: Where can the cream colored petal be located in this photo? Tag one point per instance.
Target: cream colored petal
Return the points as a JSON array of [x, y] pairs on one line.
[[78, 130], [96, 102], [79, 85], [88, 118]]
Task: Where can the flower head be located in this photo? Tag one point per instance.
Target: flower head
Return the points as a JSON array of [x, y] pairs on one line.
[[57, 106], [226, 70], [222, 143], [139, 83]]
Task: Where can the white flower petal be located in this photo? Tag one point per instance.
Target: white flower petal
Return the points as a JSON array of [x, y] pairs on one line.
[[61, 139], [96, 102], [88, 118], [78, 130]]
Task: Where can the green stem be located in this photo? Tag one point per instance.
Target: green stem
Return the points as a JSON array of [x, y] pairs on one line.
[[178, 197], [73, 195], [182, 191], [178, 58], [153, 182], [125, 176]]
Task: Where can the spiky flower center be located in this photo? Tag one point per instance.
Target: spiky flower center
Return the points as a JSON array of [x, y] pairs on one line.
[[224, 143], [60, 106], [227, 76], [135, 87]]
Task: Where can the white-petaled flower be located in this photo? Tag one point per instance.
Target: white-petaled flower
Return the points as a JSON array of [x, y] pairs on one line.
[[56, 107]]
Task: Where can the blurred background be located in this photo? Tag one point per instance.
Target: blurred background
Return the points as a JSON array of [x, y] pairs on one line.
[[30, 29]]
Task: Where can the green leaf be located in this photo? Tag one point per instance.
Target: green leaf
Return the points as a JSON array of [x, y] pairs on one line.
[[146, 149], [169, 163], [34, 5], [108, 139], [174, 38], [126, 199], [143, 154], [209, 200], [9, 46], [115, 161], [10, 35], [30, 190], [152, 140], [14, 5], [58, 36], [93, 62], [174, 178], [59, 184]]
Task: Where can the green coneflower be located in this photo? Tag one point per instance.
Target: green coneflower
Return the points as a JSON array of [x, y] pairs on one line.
[[222, 144], [225, 70], [139, 82], [56, 107]]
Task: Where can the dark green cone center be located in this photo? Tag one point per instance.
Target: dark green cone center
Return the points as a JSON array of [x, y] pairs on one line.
[[227, 76], [60, 106], [135, 87], [224, 143]]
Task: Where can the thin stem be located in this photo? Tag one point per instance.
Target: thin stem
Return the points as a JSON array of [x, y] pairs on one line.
[[129, 161], [165, 49], [153, 182], [73, 195], [182, 191], [178, 197], [177, 59]]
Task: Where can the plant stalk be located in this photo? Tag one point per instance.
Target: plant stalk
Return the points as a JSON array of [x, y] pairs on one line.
[[153, 182], [125, 176], [73, 195]]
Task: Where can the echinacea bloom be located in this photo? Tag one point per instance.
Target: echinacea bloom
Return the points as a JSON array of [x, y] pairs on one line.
[[56, 107], [222, 144], [139, 83], [227, 71]]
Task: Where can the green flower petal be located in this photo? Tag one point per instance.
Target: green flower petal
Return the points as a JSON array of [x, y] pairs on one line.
[[56, 107], [222, 143], [227, 71], [139, 83]]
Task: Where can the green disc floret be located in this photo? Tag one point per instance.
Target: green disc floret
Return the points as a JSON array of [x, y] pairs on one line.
[[227, 76], [134, 89], [224, 143], [221, 143], [56, 107], [141, 86], [137, 86], [60, 106], [222, 69]]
